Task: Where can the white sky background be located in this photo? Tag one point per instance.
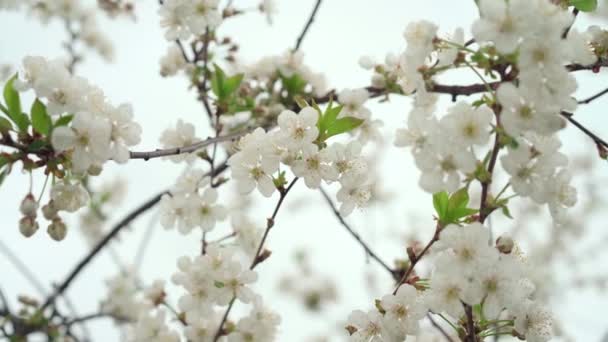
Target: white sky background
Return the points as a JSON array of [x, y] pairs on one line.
[[343, 31]]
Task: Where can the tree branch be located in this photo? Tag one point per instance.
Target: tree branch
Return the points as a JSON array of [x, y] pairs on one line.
[[186, 149], [598, 141], [307, 26], [594, 97], [259, 255], [439, 328], [357, 237], [103, 242], [414, 259]]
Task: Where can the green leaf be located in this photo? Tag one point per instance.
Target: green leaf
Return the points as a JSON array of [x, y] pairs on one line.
[[41, 121], [217, 82], [459, 199], [218, 284], [459, 213], [294, 84], [231, 84], [3, 161], [343, 125], [3, 174], [13, 103], [64, 120], [5, 125], [440, 202], [584, 5], [506, 212], [331, 114], [36, 146], [11, 97]]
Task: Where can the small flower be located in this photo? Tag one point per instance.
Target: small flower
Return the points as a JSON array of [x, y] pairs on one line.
[[298, 130], [69, 196]]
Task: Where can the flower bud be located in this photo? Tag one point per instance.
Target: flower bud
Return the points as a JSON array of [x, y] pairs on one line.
[[28, 226], [504, 244], [95, 170], [29, 206], [49, 211], [57, 229]]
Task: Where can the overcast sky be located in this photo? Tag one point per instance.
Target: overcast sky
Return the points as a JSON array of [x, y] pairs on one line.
[[344, 31]]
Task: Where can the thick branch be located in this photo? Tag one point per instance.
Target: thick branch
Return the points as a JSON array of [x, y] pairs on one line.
[[357, 237]]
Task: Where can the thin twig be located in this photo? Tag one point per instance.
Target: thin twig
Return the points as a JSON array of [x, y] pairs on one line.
[[599, 141], [186, 149], [416, 258], [257, 258], [357, 237], [439, 328], [311, 18], [594, 97], [22, 268], [145, 241]]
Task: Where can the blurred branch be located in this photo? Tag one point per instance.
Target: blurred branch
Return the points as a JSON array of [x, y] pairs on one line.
[[439, 328], [357, 237], [22, 268], [103, 242]]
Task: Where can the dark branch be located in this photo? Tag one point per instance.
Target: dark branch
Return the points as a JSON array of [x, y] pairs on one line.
[[599, 141], [594, 97], [307, 26]]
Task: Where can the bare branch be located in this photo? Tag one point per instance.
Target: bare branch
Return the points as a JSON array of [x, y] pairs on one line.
[[594, 97], [186, 149], [599, 141], [22, 268], [307, 26]]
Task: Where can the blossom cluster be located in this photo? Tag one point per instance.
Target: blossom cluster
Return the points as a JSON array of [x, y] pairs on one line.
[[99, 131], [185, 18], [528, 110], [296, 145], [466, 271]]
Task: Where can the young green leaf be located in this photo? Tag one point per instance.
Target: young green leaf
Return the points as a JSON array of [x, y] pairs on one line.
[[11, 97], [64, 120], [217, 82], [41, 121], [440, 202], [13, 103], [459, 199], [342, 125], [231, 84], [584, 5], [5, 125]]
